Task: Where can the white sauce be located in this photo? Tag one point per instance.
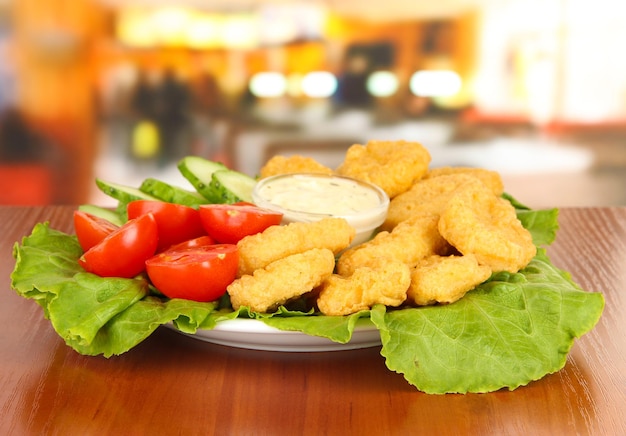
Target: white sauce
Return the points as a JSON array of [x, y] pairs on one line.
[[311, 197], [322, 195]]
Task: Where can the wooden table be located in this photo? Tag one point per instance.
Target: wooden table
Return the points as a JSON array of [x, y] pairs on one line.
[[171, 384]]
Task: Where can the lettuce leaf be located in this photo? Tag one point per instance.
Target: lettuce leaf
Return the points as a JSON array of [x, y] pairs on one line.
[[511, 330], [94, 315], [542, 225], [507, 332]]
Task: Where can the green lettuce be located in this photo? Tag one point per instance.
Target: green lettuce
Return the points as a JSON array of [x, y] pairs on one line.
[[94, 315], [509, 331]]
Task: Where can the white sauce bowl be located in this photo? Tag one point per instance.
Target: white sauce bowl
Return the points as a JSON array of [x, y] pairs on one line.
[[304, 197]]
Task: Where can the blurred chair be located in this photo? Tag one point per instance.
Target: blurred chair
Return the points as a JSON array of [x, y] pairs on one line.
[[25, 184]]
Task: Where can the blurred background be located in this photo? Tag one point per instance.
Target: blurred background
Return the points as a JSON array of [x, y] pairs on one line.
[[122, 89]]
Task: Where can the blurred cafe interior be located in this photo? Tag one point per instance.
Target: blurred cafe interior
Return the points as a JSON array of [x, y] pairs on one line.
[[122, 89]]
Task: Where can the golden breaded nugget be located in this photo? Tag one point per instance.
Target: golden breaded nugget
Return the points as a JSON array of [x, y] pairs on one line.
[[483, 224], [282, 280], [409, 242], [491, 179], [385, 283], [392, 165], [293, 164], [426, 197], [275, 242], [445, 279]]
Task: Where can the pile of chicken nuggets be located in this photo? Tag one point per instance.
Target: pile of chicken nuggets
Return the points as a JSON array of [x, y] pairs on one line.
[[447, 230]]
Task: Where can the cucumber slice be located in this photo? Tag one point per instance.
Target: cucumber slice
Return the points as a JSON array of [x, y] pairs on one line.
[[198, 171], [229, 186], [123, 194], [102, 212], [171, 194]]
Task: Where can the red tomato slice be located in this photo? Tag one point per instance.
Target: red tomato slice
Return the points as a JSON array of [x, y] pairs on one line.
[[199, 274], [124, 252], [91, 229], [176, 223], [193, 243], [228, 223]]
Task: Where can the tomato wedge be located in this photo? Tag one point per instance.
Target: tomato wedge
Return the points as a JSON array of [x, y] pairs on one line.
[[123, 253], [229, 223], [176, 222], [199, 274], [193, 243], [91, 229]]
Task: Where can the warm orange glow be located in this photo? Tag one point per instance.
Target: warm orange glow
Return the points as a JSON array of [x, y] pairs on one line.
[[173, 26], [133, 30], [204, 31]]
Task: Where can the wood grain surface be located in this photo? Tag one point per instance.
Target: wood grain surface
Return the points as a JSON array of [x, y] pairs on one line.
[[171, 384]]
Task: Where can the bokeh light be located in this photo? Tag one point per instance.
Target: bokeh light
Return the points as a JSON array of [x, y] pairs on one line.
[[382, 84], [319, 84], [435, 83], [268, 84]]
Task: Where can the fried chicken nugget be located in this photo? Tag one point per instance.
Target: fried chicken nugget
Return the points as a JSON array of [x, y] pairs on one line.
[[425, 197], [491, 179], [445, 279], [293, 164], [479, 222], [409, 242], [275, 242], [386, 282], [282, 280], [392, 165]]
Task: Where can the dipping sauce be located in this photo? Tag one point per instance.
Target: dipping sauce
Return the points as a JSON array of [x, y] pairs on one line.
[[315, 194], [310, 197]]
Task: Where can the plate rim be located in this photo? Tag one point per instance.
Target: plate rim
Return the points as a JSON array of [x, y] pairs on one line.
[[227, 332]]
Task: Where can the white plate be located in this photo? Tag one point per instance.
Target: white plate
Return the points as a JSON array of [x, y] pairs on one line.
[[256, 335]]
